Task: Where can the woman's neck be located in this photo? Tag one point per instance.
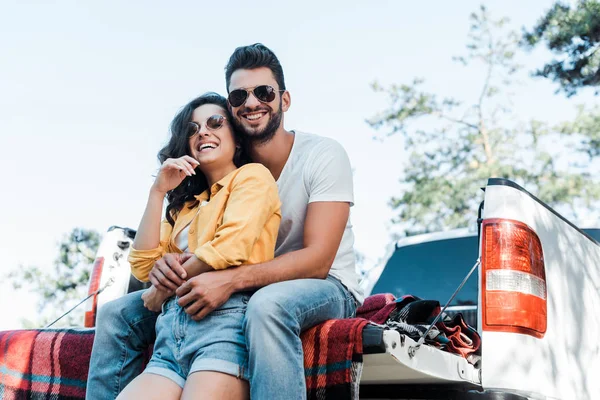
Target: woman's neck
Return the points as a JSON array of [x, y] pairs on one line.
[[214, 175]]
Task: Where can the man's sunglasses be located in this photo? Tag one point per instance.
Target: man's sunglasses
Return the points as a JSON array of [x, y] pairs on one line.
[[213, 123], [264, 93]]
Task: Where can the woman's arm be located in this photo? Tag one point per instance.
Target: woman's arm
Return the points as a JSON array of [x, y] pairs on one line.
[[151, 238], [169, 272], [148, 233], [165, 279], [170, 175]]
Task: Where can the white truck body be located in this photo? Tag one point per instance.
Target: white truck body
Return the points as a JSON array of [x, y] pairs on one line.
[[563, 364]]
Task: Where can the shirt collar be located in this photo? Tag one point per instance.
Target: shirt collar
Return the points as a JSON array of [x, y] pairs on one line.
[[204, 196]]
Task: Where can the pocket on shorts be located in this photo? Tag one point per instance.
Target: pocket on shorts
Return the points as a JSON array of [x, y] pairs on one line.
[[236, 303], [169, 305], [168, 308], [165, 320]]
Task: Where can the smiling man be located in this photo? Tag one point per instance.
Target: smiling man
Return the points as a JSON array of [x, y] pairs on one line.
[[311, 279], [313, 276]]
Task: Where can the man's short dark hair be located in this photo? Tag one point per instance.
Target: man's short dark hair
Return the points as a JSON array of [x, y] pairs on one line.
[[254, 56]]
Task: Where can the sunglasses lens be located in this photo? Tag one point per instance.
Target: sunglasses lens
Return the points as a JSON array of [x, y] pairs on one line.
[[215, 122], [265, 93], [237, 97], [193, 128]]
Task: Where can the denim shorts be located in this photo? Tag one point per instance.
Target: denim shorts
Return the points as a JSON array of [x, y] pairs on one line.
[[215, 343]]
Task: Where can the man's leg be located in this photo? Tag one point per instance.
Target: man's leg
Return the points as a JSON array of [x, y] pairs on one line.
[[124, 329], [275, 316]]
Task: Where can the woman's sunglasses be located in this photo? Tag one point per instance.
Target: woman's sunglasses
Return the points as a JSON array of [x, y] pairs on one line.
[[213, 123], [264, 93]]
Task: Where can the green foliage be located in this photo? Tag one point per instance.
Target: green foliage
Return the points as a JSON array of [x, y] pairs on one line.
[[587, 127], [454, 148], [63, 287], [573, 35]]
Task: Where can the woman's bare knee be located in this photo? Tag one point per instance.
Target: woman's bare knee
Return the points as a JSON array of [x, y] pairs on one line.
[[151, 387], [209, 385]]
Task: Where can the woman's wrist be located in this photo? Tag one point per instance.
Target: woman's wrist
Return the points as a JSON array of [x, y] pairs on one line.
[[155, 192]]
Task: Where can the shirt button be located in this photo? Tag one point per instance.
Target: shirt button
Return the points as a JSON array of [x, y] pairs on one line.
[[192, 230]]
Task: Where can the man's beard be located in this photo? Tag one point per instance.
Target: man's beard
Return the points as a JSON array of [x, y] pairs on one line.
[[266, 134]]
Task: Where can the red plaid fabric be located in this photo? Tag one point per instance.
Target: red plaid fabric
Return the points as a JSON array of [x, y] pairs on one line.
[[377, 308], [54, 363], [48, 364], [333, 358]]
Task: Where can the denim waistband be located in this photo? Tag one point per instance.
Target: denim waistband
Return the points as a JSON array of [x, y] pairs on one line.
[[241, 297]]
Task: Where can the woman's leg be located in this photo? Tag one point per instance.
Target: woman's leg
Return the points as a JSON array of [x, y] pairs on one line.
[[151, 387], [209, 385]]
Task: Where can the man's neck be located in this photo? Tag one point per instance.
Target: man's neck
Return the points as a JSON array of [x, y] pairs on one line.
[[274, 153]]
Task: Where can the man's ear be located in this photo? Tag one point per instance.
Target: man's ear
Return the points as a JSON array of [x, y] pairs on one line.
[[286, 101]]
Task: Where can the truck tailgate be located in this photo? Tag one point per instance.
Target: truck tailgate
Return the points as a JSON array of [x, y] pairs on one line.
[[388, 360]]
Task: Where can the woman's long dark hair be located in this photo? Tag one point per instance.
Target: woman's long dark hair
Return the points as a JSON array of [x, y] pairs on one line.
[[179, 146]]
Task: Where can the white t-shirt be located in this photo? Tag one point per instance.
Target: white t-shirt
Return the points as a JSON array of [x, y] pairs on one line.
[[182, 237], [318, 169]]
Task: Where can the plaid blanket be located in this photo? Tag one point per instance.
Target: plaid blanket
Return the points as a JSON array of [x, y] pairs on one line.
[[44, 364], [53, 363], [333, 359]]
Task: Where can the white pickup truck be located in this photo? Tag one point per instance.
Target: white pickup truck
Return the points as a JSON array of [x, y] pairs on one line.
[[535, 300]]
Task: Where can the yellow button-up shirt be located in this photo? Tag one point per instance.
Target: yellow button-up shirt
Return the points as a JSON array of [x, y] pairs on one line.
[[237, 226]]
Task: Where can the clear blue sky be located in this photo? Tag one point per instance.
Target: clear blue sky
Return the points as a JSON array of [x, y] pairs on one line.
[[87, 90]]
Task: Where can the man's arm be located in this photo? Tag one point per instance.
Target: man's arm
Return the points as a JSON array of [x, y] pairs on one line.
[[328, 175], [323, 230]]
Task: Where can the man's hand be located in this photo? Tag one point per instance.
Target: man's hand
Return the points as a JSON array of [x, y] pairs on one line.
[[202, 294], [167, 274], [154, 298]]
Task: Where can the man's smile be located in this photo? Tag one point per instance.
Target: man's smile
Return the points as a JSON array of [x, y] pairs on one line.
[[254, 116]]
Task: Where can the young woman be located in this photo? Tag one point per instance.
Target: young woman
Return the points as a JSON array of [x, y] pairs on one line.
[[221, 213]]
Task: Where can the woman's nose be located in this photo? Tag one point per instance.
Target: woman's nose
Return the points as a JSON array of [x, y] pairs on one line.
[[204, 131]]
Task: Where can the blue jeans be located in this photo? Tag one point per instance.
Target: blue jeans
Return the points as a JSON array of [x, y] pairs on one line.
[[275, 316], [215, 343]]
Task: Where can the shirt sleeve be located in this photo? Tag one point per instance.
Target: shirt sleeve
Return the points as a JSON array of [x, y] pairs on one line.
[[142, 261], [329, 174], [253, 200]]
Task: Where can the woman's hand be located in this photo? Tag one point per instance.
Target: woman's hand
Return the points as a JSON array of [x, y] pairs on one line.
[[172, 172], [168, 274], [154, 298]]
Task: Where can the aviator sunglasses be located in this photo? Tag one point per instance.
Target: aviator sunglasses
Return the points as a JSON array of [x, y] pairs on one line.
[[213, 123], [264, 94]]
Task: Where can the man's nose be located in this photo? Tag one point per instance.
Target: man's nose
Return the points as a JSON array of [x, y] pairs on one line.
[[252, 101]]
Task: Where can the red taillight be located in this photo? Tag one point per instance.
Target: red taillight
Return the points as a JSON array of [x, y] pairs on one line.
[[513, 279], [90, 314]]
